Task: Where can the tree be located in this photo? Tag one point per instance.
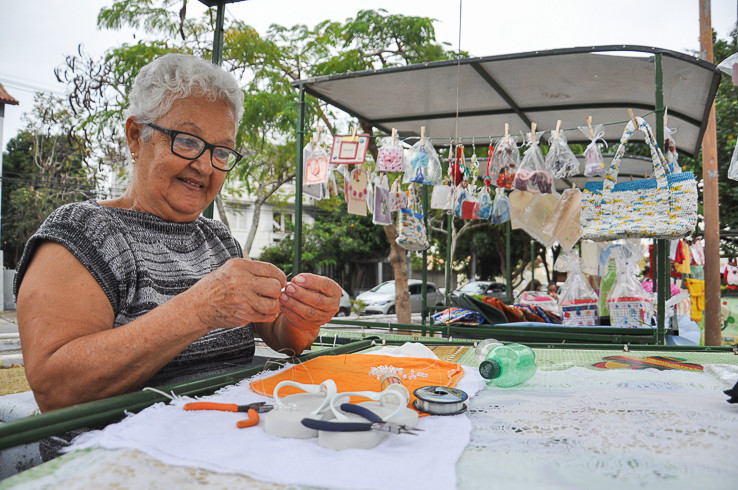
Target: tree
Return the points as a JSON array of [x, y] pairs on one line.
[[42, 169]]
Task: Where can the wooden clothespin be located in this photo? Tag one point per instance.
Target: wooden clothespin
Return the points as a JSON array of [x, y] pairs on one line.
[[316, 137], [589, 125], [632, 118], [558, 128], [507, 133], [532, 133], [353, 134], [394, 135], [422, 135], [666, 115]]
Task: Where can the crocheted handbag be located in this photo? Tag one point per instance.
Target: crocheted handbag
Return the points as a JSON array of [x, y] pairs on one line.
[[661, 207]]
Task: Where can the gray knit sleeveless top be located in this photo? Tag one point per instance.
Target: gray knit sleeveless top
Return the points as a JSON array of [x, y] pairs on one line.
[[141, 261]]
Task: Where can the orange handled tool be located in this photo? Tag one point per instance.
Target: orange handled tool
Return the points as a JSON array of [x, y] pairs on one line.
[[253, 409]]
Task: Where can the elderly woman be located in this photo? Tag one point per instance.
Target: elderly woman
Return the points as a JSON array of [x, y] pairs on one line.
[[141, 290]]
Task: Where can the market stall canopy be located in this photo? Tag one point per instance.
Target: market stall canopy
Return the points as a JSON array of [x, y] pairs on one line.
[[541, 87]]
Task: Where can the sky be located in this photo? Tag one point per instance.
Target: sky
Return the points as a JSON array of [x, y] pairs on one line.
[[37, 35]]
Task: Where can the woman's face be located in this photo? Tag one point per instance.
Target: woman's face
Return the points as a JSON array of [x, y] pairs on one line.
[[171, 187]]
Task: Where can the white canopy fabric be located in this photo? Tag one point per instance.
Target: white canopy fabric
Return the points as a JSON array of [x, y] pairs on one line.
[[541, 87]]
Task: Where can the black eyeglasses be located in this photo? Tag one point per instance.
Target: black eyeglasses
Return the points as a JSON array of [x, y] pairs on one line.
[[190, 147]]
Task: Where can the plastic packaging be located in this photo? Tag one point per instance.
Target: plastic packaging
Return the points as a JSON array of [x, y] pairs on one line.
[[533, 176], [594, 163], [560, 160], [577, 301], [629, 303], [608, 280], [505, 162], [422, 165], [485, 203], [500, 207], [670, 153], [508, 365], [733, 169]]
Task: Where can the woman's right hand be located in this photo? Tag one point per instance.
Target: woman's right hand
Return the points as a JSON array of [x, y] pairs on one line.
[[238, 292]]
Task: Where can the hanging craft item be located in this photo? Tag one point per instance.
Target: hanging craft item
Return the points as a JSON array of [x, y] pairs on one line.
[[532, 176], [349, 149], [661, 207], [577, 300], [531, 213], [458, 165], [316, 165], [470, 206], [422, 165], [441, 197], [397, 197], [460, 197], [486, 173], [391, 156], [505, 161], [629, 303], [370, 193], [485, 203], [500, 207], [382, 214], [733, 169], [357, 191], [670, 151], [561, 161], [594, 163], [411, 231], [564, 222]]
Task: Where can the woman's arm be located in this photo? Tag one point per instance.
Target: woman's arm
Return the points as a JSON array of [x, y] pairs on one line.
[[307, 303], [71, 351]]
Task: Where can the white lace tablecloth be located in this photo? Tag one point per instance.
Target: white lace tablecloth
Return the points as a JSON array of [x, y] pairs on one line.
[[581, 428]]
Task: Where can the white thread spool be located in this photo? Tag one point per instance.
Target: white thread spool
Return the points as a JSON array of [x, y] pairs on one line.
[[440, 400], [392, 382]]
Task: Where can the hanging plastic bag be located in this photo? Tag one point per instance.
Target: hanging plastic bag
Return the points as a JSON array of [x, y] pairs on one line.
[[531, 212], [441, 197], [391, 156], [422, 165], [470, 206], [733, 169], [370, 193], [671, 155], [594, 163], [485, 203], [460, 197], [563, 223], [397, 197], [382, 214], [412, 235], [316, 164], [500, 207], [577, 300], [533, 176], [505, 162], [629, 303], [561, 161]]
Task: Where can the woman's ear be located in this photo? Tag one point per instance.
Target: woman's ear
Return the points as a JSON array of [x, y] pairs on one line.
[[133, 136]]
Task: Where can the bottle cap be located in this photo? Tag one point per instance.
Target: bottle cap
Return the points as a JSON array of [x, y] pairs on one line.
[[490, 369]]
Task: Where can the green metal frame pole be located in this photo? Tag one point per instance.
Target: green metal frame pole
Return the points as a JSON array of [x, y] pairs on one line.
[[297, 259], [217, 60], [664, 265], [532, 263], [508, 262]]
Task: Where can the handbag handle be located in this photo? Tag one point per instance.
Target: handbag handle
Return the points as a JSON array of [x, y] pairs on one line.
[[657, 158]]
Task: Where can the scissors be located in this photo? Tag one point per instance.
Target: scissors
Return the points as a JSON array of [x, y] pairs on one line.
[[375, 422], [253, 409]]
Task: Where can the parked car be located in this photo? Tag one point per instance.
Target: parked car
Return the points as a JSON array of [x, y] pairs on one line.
[[490, 289], [381, 299], [344, 307]]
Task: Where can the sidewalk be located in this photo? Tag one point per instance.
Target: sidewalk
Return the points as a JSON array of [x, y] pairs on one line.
[[10, 348]]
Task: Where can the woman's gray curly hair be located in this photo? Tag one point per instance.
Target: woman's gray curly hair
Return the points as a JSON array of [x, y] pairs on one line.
[[177, 76]]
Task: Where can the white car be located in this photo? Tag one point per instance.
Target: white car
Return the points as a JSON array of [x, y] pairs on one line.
[[344, 307], [381, 299]]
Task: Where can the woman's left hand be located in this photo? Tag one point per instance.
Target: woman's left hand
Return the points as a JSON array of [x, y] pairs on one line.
[[310, 301]]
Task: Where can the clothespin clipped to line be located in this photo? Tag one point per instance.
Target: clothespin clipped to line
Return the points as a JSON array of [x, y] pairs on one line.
[[632, 118], [422, 135], [666, 115], [394, 135], [507, 133], [532, 133], [558, 129], [589, 125], [316, 137], [353, 134]]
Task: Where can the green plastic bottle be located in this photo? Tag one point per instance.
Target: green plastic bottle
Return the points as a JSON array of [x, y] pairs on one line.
[[508, 365]]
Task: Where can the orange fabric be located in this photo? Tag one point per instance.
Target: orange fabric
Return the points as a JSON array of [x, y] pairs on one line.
[[512, 314], [359, 372]]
